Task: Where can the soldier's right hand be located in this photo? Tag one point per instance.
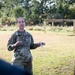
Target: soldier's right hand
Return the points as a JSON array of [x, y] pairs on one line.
[[17, 43]]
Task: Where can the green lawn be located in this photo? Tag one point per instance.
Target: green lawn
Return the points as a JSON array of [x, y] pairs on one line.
[[57, 57]]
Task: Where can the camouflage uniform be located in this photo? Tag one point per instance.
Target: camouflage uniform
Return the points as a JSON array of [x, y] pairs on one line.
[[22, 55]]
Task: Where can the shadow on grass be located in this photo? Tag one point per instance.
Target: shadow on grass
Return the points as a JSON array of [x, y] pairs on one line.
[[72, 35]]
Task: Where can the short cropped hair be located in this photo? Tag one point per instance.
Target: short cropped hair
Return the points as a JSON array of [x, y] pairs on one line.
[[19, 18]]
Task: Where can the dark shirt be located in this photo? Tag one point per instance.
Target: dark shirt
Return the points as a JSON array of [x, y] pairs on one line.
[[8, 69]]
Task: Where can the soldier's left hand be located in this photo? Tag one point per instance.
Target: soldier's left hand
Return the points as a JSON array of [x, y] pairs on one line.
[[41, 43]]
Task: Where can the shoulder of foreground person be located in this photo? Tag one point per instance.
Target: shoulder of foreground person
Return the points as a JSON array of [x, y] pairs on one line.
[[8, 69]]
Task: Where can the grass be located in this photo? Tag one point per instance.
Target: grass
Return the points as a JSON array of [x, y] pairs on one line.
[[57, 57]]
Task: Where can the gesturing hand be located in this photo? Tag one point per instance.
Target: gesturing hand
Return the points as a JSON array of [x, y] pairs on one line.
[[18, 43], [41, 44]]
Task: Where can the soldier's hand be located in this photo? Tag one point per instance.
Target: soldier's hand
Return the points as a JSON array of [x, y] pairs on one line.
[[41, 44], [17, 43]]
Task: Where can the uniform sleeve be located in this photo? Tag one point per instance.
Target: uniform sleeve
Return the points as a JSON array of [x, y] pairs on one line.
[[33, 45], [11, 41]]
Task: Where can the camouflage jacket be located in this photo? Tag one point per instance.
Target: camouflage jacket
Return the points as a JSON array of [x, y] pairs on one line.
[[22, 52]]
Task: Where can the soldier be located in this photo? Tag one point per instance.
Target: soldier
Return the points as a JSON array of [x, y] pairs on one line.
[[21, 42]]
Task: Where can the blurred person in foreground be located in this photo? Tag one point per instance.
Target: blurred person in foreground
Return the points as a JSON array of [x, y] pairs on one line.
[[8, 69], [21, 42]]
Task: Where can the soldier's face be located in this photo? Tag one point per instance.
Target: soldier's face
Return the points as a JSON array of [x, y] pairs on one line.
[[21, 23]]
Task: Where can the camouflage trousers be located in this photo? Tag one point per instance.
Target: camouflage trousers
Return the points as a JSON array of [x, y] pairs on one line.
[[26, 65]]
